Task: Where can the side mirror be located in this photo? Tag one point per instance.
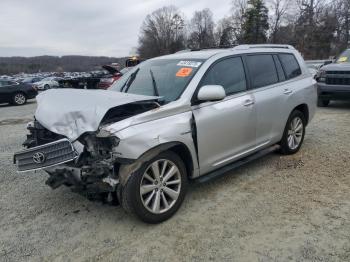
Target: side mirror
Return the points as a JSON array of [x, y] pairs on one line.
[[211, 93]]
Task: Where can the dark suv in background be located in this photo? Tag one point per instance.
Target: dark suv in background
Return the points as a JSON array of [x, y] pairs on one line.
[[16, 93], [334, 80]]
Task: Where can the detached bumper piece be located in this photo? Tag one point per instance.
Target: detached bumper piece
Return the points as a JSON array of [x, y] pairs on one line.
[[51, 154]]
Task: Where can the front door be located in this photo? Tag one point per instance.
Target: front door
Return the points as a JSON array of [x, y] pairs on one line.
[[225, 129]]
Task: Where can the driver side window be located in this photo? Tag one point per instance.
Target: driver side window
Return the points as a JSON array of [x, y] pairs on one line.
[[228, 73]]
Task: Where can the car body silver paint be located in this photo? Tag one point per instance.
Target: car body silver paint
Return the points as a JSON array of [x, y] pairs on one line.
[[265, 118], [140, 138], [246, 129], [227, 120], [72, 112]]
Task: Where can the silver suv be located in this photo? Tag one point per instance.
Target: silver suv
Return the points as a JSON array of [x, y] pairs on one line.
[[190, 116]]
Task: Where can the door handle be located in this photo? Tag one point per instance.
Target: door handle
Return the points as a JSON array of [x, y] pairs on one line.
[[248, 102], [287, 91]]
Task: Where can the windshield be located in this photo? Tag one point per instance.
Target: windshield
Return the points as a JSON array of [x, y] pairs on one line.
[[166, 78], [344, 57]]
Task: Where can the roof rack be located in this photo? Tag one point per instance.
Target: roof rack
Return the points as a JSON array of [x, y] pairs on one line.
[[206, 48], [265, 46], [242, 47]]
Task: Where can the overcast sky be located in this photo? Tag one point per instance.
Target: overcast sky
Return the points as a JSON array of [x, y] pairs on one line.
[[83, 27]]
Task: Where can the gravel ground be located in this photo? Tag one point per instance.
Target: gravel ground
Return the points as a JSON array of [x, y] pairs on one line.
[[290, 208]]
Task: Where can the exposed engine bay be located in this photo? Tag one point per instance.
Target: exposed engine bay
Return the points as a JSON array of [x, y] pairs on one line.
[[93, 171]]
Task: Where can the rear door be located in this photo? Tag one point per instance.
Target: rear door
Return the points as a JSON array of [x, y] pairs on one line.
[[225, 129], [271, 95]]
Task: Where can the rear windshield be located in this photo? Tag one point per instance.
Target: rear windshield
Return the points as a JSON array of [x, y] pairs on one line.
[[166, 78], [344, 57]]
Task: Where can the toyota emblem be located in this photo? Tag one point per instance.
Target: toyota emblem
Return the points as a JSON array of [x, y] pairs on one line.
[[39, 158]]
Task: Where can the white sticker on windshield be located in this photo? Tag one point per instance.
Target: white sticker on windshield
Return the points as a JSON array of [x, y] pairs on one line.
[[189, 63]]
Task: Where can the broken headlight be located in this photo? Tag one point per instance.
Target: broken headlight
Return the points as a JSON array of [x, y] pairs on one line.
[[321, 76], [104, 134]]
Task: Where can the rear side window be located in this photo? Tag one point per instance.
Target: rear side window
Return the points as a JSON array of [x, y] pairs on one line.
[[262, 70], [228, 73], [290, 65]]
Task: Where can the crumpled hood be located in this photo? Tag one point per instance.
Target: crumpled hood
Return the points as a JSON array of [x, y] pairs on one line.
[[72, 112]]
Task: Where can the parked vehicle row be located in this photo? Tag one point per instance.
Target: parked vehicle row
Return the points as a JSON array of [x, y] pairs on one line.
[[190, 116], [47, 83]]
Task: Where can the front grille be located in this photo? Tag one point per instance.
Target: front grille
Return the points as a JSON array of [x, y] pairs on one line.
[[338, 72], [338, 77], [337, 81], [47, 155]]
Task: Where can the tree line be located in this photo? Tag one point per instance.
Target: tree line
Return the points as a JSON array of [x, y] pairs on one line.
[[317, 28], [72, 63]]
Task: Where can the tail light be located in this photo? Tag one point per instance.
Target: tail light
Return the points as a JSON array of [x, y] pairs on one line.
[[107, 80]]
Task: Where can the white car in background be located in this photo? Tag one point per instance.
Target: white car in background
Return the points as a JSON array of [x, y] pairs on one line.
[[47, 83]]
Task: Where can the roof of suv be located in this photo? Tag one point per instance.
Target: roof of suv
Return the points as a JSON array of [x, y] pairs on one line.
[[207, 53]]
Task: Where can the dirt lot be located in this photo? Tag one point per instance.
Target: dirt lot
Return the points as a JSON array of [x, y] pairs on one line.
[[294, 208]]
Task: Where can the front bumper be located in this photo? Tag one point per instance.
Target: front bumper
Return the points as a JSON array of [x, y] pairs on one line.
[[333, 92], [97, 181]]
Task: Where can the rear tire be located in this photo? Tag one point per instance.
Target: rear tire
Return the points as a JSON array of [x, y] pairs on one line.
[[46, 87], [294, 133], [323, 103], [157, 189], [19, 99]]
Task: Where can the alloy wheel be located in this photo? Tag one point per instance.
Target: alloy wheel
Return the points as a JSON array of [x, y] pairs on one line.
[[295, 133], [20, 99], [160, 186]]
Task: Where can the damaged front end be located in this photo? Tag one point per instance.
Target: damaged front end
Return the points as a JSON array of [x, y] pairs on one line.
[[94, 172], [88, 164]]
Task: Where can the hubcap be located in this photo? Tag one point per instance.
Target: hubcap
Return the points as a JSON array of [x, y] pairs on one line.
[[20, 99], [295, 133], [160, 186]]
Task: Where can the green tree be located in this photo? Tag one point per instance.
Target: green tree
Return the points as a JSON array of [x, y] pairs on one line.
[[255, 24]]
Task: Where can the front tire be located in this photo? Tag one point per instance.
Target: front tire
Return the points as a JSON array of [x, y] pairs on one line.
[[294, 133], [157, 189], [46, 87]]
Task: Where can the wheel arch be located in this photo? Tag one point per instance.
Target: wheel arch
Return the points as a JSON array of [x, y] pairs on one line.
[[179, 148], [184, 153], [304, 109], [19, 92]]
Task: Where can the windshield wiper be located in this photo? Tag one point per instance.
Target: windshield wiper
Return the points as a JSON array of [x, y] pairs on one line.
[[129, 81], [154, 83]]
